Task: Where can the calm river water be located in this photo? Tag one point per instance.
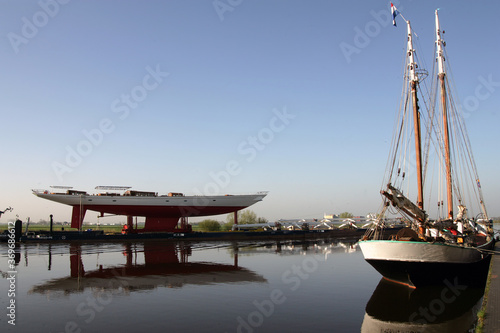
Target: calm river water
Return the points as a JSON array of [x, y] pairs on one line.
[[271, 286]]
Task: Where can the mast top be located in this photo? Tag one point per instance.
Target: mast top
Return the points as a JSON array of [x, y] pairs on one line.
[[439, 47], [411, 59]]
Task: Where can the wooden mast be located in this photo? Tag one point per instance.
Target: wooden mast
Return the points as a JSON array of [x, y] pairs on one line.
[[446, 138], [416, 119]]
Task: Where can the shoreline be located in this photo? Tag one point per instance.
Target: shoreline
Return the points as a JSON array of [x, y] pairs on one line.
[[99, 236]]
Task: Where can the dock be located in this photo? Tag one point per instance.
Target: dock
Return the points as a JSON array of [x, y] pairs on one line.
[[492, 319]]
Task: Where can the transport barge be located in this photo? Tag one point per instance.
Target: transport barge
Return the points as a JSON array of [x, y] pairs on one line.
[[99, 235]]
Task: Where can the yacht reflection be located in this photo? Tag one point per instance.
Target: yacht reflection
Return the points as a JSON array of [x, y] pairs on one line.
[[147, 266], [397, 308]]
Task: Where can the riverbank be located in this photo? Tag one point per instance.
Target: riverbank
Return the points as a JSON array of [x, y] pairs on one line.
[[491, 321]]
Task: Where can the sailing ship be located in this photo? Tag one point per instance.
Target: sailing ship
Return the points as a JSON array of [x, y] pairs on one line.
[[162, 212], [451, 248]]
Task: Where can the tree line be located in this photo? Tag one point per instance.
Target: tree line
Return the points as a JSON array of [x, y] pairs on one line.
[[244, 217]]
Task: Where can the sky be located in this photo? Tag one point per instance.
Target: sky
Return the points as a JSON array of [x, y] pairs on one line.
[[297, 98]]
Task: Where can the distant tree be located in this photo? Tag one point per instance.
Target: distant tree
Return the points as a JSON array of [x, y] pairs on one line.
[[244, 217], [227, 226], [209, 225], [262, 220], [345, 215], [248, 217], [230, 218]]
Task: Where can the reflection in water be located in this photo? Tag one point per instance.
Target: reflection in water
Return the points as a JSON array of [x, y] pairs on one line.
[[397, 308], [163, 264], [259, 286], [299, 247], [149, 265]]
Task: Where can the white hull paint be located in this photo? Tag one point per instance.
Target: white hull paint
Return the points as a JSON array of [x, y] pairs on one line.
[[419, 252]]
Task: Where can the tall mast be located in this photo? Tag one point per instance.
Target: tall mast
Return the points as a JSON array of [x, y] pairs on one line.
[[394, 195], [442, 79], [416, 117]]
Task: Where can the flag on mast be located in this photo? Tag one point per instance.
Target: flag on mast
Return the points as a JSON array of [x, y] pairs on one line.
[[394, 12]]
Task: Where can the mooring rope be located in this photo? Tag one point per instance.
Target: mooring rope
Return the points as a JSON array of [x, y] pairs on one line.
[[488, 251]]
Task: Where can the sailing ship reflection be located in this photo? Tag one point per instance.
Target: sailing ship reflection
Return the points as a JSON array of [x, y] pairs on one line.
[[396, 308], [162, 265]]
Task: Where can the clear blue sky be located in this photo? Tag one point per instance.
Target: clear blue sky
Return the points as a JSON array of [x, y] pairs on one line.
[[164, 95]]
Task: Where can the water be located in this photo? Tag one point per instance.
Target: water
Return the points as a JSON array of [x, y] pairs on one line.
[[271, 286]]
